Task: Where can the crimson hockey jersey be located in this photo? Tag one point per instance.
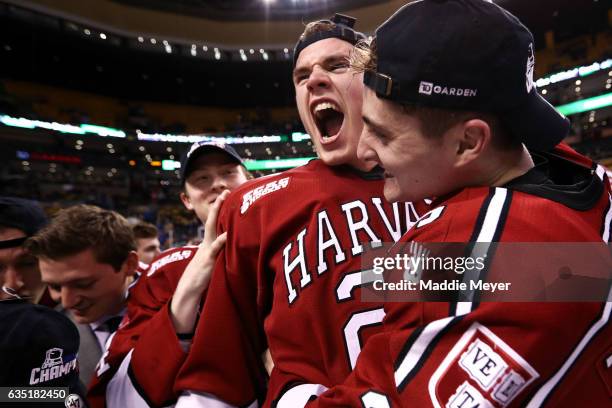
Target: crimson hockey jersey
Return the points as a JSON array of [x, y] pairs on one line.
[[490, 354], [289, 279], [145, 342]]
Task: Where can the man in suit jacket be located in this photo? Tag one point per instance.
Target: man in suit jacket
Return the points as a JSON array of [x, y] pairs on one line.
[[87, 258], [92, 344]]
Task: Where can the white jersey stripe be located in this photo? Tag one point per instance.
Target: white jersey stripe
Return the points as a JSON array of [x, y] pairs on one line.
[[463, 308], [487, 232], [491, 221], [540, 397], [190, 399], [600, 171], [607, 223], [489, 227], [413, 356], [120, 391], [300, 395]]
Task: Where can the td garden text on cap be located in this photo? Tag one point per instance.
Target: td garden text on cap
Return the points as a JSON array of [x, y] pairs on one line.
[[465, 55]]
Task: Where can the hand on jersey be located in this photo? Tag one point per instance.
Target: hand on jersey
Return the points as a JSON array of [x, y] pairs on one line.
[[195, 279], [199, 270]]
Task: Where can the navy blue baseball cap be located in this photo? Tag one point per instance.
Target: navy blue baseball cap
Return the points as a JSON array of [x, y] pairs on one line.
[[342, 29], [465, 55], [199, 148], [38, 348], [24, 215]]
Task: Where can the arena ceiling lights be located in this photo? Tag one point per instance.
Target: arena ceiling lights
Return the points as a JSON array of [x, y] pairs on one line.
[[147, 42], [104, 131], [585, 105], [230, 139], [61, 127], [252, 165], [581, 71], [252, 10]]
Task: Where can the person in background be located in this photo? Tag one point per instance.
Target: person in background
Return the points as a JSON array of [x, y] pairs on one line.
[[87, 258], [146, 236], [163, 305], [33, 338], [19, 272]]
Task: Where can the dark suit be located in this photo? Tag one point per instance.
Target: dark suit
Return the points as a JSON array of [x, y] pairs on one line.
[[89, 349]]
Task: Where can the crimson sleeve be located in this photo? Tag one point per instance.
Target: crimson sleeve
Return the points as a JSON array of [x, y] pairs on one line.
[[157, 351], [225, 356], [499, 355], [148, 332]]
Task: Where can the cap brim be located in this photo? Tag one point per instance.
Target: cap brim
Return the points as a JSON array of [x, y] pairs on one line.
[[537, 123], [185, 166]]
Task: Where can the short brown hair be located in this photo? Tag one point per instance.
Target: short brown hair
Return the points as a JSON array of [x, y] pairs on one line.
[[81, 227], [144, 230], [434, 121]]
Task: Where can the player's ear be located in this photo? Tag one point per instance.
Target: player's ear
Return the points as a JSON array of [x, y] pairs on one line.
[[186, 200], [130, 264], [472, 139]]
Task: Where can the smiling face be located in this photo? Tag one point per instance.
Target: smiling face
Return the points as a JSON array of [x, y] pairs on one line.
[[416, 166], [87, 288], [329, 97], [212, 173]]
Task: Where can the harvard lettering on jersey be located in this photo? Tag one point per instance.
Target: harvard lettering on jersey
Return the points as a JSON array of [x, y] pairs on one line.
[[147, 330], [291, 265], [469, 354]]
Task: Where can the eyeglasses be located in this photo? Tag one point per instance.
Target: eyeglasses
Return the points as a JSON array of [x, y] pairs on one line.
[[11, 292]]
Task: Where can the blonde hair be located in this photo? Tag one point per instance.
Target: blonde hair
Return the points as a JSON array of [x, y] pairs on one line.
[[316, 27], [363, 58]]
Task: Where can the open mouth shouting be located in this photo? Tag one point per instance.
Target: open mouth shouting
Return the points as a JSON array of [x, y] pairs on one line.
[[329, 119]]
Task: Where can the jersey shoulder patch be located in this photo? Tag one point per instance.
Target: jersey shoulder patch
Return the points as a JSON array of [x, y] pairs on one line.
[[480, 370], [264, 189], [171, 256]]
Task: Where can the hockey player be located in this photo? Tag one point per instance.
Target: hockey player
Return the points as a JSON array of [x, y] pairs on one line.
[[289, 275], [453, 116], [163, 304]]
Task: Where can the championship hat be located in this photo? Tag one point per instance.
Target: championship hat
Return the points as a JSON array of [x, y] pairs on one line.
[[38, 348], [465, 55]]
